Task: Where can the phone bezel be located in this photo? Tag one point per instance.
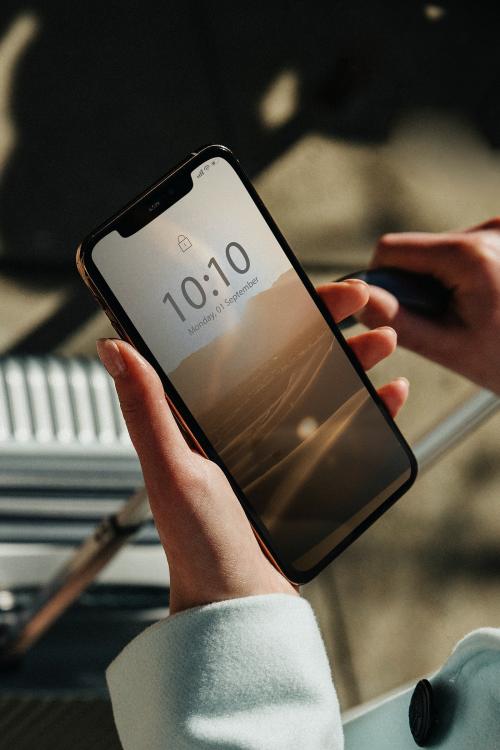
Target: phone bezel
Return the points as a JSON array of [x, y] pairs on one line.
[[118, 316]]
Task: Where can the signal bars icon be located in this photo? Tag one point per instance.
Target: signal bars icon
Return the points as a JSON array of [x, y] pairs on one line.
[[203, 170]]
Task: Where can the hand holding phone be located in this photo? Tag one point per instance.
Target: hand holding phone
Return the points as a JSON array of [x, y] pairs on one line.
[[197, 276], [212, 551]]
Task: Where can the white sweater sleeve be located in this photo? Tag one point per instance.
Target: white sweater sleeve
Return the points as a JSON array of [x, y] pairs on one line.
[[244, 674]]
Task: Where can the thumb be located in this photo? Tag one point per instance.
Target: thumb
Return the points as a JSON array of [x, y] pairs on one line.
[[153, 430]]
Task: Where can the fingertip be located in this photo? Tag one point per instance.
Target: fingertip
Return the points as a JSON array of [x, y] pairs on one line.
[[360, 288], [371, 347], [110, 356], [147, 413], [360, 282], [404, 392], [383, 298], [331, 286], [129, 370], [344, 298], [403, 386], [390, 335], [389, 329], [381, 308], [130, 355], [395, 394], [136, 366], [355, 288]]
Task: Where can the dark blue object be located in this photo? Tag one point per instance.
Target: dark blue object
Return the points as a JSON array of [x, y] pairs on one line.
[[421, 713], [420, 293]]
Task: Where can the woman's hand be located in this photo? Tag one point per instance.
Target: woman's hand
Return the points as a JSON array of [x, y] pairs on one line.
[[466, 262], [212, 552]]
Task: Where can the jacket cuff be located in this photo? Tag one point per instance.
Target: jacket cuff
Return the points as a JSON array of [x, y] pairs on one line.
[[249, 673]]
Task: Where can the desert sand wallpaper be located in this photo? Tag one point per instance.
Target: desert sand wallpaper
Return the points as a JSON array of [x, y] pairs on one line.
[[292, 422]]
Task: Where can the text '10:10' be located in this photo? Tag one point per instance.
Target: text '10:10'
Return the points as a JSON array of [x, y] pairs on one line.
[[192, 290]]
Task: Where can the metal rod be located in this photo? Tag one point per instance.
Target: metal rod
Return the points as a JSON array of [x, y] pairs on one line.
[[451, 430], [74, 577], [113, 533]]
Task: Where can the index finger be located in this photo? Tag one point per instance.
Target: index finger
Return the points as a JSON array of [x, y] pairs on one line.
[[152, 427]]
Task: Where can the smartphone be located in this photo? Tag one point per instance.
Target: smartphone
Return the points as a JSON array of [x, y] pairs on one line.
[[197, 276]]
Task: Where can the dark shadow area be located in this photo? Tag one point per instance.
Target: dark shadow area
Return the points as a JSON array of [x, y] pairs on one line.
[[103, 621], [107, 97], [56, 696]]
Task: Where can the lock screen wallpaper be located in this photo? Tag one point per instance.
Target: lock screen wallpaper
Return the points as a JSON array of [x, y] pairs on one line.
[[215, 298]]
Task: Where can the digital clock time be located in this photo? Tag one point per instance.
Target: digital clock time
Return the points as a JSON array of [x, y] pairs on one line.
[[192, 290]]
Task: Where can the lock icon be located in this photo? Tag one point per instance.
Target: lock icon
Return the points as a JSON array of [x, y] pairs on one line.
[[183, 242]]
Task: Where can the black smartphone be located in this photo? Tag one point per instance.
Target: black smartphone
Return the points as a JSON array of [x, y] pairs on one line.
[[197, 276]]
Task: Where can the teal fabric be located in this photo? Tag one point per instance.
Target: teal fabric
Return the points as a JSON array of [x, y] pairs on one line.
[[467, 697], [246, 674], [385, 727], [253, 673]]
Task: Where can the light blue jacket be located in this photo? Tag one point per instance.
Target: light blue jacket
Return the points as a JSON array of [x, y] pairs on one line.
[[252, 674]]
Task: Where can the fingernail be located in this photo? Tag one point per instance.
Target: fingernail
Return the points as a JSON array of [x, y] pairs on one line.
[[405, 380], [356, 281], [110, 356]]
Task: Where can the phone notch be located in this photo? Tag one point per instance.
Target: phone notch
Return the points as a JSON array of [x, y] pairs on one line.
[[155, 202]]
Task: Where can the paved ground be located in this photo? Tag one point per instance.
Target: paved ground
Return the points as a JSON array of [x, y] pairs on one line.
[[393, 605]]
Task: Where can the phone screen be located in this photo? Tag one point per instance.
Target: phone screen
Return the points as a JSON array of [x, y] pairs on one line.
[[214, 296]]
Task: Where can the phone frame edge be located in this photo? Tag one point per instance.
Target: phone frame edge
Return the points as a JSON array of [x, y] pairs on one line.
[[84, 253]]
